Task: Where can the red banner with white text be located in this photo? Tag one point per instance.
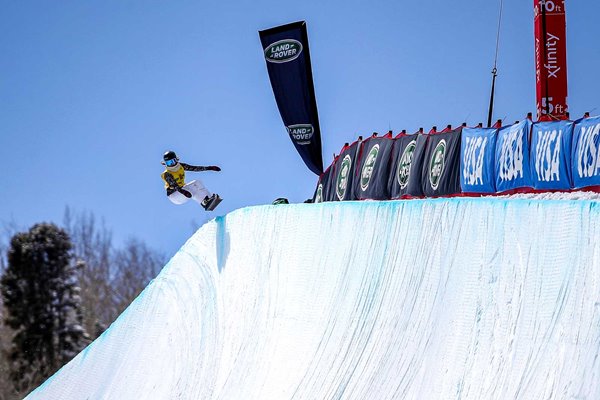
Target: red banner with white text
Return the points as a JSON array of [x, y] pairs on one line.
[[550, 59]]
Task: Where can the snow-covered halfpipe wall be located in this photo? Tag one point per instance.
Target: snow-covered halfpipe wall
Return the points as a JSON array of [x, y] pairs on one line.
[[424, 299]]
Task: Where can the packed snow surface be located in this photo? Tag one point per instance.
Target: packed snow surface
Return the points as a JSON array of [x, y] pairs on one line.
[[425, 299]]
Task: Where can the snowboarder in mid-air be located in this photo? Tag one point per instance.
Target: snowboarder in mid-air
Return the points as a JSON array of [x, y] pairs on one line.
[[178, 191]]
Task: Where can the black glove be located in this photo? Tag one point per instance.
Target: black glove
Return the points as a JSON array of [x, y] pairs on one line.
[[213, 168], [185, 193]]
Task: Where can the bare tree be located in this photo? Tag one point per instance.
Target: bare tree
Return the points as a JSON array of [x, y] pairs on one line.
[[135, 266], [112, 277], [92, 243]]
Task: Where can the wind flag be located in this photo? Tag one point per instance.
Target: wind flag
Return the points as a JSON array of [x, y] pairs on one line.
[[288, 63]]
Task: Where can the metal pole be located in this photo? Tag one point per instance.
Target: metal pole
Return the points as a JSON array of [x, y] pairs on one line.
[[491, 109], [495, 70]]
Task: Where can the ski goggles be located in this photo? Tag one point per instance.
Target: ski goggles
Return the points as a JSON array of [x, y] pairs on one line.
[[171, 162]]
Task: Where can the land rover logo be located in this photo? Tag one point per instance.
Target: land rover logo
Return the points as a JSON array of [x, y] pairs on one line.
[[436, 164], [403, 172], [367, 170], [301, 133], [341, 183], [319, 195], [283, 51]]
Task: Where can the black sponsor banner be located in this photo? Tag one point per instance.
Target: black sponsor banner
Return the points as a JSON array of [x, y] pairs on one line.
[[373, 169], [406, 162], [342, 181], [441, 168], [288, 63], [323, 191]]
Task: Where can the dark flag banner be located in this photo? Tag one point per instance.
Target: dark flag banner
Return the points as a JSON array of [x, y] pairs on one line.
[[586, 153], [551, 155], [323, 191], [512, 157], [478, 148], [372, 172], [441, 168], [406, 163], [342, 185], [288, 63]]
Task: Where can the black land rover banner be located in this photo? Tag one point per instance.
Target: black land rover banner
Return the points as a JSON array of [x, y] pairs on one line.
[[288, 63], [406, 165], [372, 171], [344, 173], [441, 168], [323, 191]]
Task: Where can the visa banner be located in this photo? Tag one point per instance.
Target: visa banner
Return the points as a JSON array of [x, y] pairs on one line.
[[551, 155], [477, 155], [512, 169], [585, 155], [287, 56]]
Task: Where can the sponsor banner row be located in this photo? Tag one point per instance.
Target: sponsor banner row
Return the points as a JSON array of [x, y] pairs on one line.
[[524, 157], [381, 168]]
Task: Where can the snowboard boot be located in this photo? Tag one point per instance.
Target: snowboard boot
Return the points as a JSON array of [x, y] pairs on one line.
[[205, 202], [214, 202]]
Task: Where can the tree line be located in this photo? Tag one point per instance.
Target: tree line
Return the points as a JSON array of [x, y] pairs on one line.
[[61, 287]]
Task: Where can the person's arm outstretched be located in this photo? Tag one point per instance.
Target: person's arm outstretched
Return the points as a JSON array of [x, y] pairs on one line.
[[198, 168]]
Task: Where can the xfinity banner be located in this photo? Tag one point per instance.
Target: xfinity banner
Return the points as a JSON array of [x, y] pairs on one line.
[[405, 166], [441, 168], [478, 146], [288, 63], [512, 157], [550, 58], [373, 169], [551, 155], [586, 153]]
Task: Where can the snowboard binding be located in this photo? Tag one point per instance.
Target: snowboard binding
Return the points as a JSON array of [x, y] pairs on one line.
[[210, 203]]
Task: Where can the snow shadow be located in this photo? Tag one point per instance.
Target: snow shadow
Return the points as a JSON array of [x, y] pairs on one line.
[[222, 242]]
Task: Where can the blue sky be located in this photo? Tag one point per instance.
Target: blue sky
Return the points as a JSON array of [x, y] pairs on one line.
[[92, 94]]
